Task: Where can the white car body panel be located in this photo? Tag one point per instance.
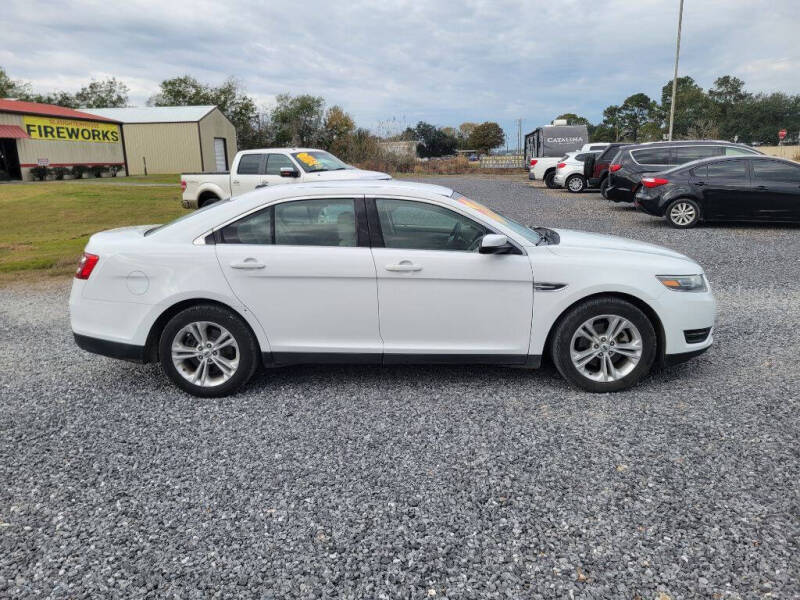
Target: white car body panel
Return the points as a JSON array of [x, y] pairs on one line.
[[571, 166], [542, 166], [342, 299]]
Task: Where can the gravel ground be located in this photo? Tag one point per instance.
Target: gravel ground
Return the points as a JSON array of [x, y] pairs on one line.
[[322, 482]]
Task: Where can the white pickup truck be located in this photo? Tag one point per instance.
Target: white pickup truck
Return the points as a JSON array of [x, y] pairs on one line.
[[253, 169]]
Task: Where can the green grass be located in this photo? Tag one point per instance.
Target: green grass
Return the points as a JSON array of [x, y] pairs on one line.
[[45, 227], [159, 178]]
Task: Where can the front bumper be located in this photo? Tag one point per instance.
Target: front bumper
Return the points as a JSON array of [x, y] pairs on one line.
[[559, 179]]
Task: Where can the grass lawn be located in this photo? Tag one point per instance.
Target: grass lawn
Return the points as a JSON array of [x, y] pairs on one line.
[[159, 178], [45, 227]]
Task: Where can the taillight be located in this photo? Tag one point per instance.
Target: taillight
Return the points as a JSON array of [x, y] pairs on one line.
[[86, 265], [183, 185], [561, 165], [651, 182], [614, 168], [533, 162]]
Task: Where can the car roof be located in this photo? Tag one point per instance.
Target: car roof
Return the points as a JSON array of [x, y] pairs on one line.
[[716, 159], [293, 149], [675, 143]]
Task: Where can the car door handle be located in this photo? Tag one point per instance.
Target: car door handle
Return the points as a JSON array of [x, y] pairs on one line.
[[700, 183], [404, 266], [235, 181], [260, 185], [761, 187], [248, 264]]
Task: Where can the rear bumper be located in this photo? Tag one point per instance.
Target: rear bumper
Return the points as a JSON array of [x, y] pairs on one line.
[[111, 349], [618, 194]]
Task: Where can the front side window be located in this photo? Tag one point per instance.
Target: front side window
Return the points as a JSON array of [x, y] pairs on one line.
[[775, 170], [686, 154], [729, 169], [421, 226], [328, 222], [255, 228], [651, 156], [315, 161], [250, 164], [276, 162]]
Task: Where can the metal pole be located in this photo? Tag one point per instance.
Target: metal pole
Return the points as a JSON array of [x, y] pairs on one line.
[[675, 76]]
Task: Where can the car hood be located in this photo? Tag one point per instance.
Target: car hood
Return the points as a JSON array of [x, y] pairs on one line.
[[346, 174], [581, 240]]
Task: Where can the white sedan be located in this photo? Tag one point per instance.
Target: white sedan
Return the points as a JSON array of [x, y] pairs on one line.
[[382, 272]]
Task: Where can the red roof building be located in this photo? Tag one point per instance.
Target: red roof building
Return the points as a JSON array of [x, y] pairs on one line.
[[47, 110]]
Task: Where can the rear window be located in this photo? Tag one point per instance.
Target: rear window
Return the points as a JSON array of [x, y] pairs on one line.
[[651, 156], [684, 154]]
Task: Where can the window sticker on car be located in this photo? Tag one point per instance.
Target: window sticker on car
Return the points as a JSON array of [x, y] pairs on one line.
[[488, 212], [307, 159]]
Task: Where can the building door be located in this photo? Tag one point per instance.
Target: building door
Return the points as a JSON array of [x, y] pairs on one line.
[[9, 160], [220, 154]]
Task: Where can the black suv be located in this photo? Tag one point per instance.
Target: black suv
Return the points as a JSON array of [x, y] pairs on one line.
[[631, 162]]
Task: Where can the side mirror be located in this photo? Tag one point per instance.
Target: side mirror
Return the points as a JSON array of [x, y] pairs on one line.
[[493, 243], [289, 172]]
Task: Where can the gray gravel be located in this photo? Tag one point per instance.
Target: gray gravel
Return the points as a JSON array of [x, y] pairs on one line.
[[323, 482]]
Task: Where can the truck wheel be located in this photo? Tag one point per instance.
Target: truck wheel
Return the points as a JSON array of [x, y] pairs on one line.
[[549, 180], [576, 184], [206, 200]]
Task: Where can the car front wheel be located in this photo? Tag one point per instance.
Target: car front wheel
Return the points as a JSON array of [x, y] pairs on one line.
[[576, 184], [683, 213], [208, 351], [604, 345], [549, 180]]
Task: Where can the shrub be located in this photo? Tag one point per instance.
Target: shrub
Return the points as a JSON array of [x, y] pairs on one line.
[[98, 170], [59, 172], [77, 171], [40, 173]]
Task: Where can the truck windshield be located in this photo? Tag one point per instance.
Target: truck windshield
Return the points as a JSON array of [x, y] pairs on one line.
[[314, 161]]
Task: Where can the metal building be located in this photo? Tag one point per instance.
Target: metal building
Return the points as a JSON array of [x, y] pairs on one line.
[[33, 134], [174, 139]]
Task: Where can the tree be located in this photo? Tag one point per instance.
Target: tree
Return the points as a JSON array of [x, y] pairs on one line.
[[337, 128], [691, 106], [297, 120], [486, 136], [611, 118], [573, 119], [433, 141], [634, 113], [728, 100], [108, 93], [8, 87]]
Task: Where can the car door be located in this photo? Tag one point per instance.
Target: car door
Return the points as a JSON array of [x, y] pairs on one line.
[[305, 270], [776, 189], [438, 297], [249, 173], [727, 194]]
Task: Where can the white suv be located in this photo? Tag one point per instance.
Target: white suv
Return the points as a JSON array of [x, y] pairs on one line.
[[569, 172]]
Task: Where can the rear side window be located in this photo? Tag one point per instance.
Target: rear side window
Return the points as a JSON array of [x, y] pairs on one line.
[[255, 228], [729, 169], [651, 156], [684, 154], [596, 148], [608, 154], [250, 164], [732, 151], [582, 157], [328, 222], [773, 170], [276, 162]]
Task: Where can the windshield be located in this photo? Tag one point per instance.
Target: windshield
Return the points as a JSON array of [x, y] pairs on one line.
[[187, 216], [526, 232], [314, 161]]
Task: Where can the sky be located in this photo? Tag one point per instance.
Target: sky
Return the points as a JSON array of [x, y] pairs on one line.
[[391, 64]]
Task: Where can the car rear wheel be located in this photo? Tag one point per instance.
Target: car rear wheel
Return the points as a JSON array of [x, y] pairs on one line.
[[549, 180], [603, 187], [576, 184], [208, 351], [604, 345], [683, 213]]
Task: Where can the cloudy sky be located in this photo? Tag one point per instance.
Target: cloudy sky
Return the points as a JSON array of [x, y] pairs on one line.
[[441, 61]]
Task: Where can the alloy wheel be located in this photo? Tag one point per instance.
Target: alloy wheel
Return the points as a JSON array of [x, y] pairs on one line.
[[575, 184], [606, 348], [683, 213], [205, 353]]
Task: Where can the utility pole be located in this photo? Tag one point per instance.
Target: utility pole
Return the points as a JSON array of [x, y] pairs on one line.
[[675, 76]]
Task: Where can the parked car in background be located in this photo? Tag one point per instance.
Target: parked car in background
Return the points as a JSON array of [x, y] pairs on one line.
[[253, 169], [545, 146], [383, 272], [630, 162], [730, 188], [595, 168], [569, 172], [595, 147]]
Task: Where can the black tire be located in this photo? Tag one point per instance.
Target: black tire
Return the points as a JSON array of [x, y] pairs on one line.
[[566, 332], [575, 184], [549, 179], [603, 186], [678, 211], [207, 200], [248, 350]]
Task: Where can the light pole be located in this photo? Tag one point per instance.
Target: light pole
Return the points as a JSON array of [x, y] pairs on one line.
[[675, 76]]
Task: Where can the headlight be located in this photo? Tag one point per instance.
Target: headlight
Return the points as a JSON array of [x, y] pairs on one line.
[[684, 283]]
